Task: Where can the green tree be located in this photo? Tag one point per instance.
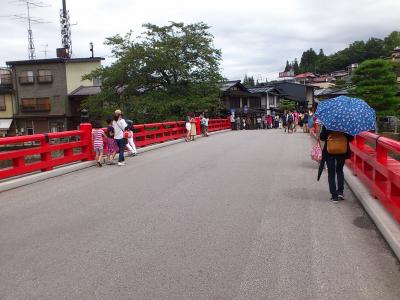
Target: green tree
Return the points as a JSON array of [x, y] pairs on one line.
[[391, 42], [285, 104], [160, 75], [287, 68], [308, 61], [375, 82], [245, 81], [296, 68]]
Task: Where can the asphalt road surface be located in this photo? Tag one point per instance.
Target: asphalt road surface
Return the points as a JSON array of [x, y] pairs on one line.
[[238, 215]]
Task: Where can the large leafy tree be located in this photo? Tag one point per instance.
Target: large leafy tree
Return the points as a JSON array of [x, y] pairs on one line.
[[160, 75], [375, 82]]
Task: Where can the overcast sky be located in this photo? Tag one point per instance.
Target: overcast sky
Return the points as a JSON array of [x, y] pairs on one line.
[[256, 37]]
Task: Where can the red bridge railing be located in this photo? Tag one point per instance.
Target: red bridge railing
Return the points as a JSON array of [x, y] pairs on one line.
[[43, 152], [375, 161], [42, 147]]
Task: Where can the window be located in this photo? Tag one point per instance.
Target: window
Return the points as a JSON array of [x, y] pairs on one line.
[[2, 102], [38, 104], [5, 77], [29, 128], [26, 77], [271, 100], [44, 76]]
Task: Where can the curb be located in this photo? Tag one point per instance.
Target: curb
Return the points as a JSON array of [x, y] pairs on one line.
[[62, 170], [387, 226]]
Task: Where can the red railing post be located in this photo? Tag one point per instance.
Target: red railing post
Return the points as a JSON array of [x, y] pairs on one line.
[[381, 153], [86, 129], [45, 157]]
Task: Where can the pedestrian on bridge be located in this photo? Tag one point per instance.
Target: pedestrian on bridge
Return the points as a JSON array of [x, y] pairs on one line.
[[336, 151], [342, 118], [97, 137], [130, 144], [188, 127], [112, 147], [193, 130], [120, 125]]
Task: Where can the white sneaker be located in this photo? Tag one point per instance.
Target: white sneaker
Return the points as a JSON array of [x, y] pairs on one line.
[[121, 164]]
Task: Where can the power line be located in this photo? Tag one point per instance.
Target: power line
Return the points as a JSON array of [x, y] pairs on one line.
[[31, 20]]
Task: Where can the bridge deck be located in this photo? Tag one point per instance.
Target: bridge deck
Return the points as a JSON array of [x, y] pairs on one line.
[[238, 215]]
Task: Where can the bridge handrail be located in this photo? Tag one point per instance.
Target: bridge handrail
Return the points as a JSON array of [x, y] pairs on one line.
[[43, 145], [372, 162]]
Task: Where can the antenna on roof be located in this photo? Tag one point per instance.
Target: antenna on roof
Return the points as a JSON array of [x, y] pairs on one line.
[[45, 50], [31, 20], [66, 40]]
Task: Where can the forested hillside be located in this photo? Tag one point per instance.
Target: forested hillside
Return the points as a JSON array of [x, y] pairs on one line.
[[356, 52]]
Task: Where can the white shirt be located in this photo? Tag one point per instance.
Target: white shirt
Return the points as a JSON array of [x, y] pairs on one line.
[[119, 128]]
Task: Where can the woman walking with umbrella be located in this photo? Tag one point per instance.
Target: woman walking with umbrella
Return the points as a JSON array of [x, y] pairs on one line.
[[342, 119]]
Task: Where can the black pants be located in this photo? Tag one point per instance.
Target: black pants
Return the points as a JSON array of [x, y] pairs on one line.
[[335, 169], [121, 145]]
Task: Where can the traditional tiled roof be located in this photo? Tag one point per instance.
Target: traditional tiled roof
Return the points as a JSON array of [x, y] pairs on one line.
[[228, 84], [305, 75], [86, 91]]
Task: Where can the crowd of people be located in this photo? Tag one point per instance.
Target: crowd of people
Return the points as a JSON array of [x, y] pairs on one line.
[[290, 121], [293, 120]]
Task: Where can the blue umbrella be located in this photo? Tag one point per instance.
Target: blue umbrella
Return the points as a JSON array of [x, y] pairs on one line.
[[345, 114]]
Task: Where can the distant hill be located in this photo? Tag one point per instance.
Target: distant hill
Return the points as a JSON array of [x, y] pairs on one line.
[[356, 52]]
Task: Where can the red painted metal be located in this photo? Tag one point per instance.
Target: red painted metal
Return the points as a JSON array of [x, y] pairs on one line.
[[41, 146], [372, 163], [374, 160]]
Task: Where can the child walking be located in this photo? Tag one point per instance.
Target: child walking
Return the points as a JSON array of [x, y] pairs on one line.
[[97, 135], [130, 143], [112, 147]]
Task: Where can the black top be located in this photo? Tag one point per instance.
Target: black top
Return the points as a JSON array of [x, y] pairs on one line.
[[110, 132], [324, 136]]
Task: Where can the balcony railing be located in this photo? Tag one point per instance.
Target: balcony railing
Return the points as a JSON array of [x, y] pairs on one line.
[[36, 108], [26, 79], [45, 79], [5, 80]]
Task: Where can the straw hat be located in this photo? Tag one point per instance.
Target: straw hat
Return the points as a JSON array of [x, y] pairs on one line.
[[118, 112]]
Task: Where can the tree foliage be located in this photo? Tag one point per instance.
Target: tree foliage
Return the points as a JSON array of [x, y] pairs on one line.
[[375, 82], [160, 75], [248, 81], [285, 104]]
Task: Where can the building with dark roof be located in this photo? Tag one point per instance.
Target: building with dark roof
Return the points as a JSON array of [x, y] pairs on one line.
[[42, 89], [303, 94], [265, 97], [237, 98], [6, 103]]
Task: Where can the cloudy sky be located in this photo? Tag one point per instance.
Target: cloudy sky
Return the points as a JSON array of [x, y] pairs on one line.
[[256, 37]]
